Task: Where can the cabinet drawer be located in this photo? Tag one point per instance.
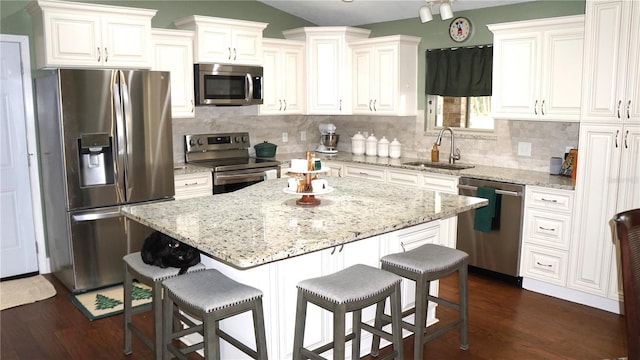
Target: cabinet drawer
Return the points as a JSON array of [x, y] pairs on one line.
[[550, 199], [545, 264], [364, 172], [547, 228], [442, 183], [193, 185], [404, 178]]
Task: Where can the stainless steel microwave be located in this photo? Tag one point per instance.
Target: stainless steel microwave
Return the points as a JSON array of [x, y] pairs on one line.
[[224, 84]]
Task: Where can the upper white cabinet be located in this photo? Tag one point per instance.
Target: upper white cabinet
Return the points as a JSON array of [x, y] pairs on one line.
[[328, 66], [223, 40], [385, 74], [283, 78], [612, 52], [71, 34], [173, 52], [537, 69]]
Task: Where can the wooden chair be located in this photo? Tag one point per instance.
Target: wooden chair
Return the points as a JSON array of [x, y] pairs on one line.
[[626, 229]]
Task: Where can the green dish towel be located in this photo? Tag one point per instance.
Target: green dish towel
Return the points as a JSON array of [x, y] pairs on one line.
[[484, 216]]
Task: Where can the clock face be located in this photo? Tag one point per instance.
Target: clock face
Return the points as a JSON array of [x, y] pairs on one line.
[[460, 29]]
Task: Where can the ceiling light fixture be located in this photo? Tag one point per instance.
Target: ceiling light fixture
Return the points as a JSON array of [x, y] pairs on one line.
[[426, 11]]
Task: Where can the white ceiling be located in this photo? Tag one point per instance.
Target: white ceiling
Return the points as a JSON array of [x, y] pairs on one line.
[[359, 12]]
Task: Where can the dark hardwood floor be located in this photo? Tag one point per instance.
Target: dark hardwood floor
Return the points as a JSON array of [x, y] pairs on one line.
[[505, 323]]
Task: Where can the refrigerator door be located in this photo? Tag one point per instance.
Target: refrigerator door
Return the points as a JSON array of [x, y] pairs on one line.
[[146, 104]]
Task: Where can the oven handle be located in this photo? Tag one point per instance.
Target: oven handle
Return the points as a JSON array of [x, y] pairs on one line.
[[241, 177], [500, 192]]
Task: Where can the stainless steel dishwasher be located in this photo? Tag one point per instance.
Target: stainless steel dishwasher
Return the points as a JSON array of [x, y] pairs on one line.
[[496, 252]]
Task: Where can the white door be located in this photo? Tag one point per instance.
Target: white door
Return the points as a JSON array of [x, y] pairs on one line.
[[18, 234]]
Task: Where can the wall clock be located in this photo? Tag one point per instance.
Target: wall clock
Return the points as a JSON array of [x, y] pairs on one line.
[[460, 29]]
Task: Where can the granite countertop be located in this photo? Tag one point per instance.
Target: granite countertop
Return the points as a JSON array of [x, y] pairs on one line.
[[493, 173], [261, 223], [183, 169]]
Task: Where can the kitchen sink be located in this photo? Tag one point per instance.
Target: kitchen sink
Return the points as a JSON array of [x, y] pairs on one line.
[[438, 165]]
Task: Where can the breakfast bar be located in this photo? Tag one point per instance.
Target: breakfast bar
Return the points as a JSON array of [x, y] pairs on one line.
[[260, 236]]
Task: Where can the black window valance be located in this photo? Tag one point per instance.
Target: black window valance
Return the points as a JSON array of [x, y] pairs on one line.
[[459, 72]]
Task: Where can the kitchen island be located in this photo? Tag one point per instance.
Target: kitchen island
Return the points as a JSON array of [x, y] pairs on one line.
[[259, 236]]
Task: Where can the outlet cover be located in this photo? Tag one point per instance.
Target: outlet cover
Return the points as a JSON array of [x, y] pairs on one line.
[[285, 137], [303, 135], [524, 149]]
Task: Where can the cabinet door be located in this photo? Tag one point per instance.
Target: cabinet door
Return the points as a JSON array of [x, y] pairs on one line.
[[325, 76], [629, 178], [515, 75], [362, 80], [632, 107], [246, 46], [126, 42], [385, 75], [596, 190], [561, 87], [272, 100], [605, 59], [71, 39], [292, 79], [214, 45], [173, 52]]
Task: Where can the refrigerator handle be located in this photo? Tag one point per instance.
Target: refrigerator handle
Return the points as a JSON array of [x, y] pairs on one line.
[[101, 215], [119, 132], [126, 102]]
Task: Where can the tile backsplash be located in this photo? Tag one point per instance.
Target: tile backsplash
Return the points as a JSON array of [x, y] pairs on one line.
[[499, 148]]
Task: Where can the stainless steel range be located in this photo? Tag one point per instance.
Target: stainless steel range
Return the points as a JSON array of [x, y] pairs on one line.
[[227, 154]]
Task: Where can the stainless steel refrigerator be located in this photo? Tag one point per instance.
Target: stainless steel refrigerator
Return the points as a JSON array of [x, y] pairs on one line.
[[104, 141]]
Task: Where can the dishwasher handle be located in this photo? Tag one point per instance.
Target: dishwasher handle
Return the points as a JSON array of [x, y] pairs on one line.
[[498, 191]]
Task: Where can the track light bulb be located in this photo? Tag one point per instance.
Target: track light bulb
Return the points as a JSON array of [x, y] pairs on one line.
[[446, 12], [425, 13]]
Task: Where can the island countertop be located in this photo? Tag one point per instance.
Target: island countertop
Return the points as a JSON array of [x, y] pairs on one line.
[[261, 223]]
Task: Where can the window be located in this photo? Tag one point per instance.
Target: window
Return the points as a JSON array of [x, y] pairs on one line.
[[471, 113]]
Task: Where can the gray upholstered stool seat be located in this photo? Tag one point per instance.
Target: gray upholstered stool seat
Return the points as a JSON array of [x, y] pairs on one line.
[[348, 290], [425, 264], [211, 296], [152, 276]]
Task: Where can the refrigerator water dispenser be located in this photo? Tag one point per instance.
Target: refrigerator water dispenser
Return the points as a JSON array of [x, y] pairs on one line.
[[96, 159]]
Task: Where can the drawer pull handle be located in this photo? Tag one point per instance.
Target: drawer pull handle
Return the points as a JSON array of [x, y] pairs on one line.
[[549, 200], [545, 265], [402, 246], [546, 229], [189, 184]]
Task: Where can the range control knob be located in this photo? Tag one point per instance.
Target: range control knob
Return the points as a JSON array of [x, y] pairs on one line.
[[192, 142], [245, 138], [237, 139], [200, 142]]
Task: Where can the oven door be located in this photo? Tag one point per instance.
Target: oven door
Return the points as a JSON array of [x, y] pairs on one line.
[[228, 181]]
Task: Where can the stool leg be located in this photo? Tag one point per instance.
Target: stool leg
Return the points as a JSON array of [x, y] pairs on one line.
[[167, 334], [156, 302], [258, 326], [420, 322], [210, 337], [339, 315], [396, 322], [355, 344], [301, 317], [464, 296], [127, 309], [375, 342]]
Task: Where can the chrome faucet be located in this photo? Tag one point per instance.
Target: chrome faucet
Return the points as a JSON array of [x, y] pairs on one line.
[[453, 155]]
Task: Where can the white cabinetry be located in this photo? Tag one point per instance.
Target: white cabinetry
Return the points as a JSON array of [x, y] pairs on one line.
[[223, 40], [537, 69], [328, 66], [284, 84], [173, 52], [385, 74], [368, 172], [193, 185], [70, 34], [611, 90], [547, 234]]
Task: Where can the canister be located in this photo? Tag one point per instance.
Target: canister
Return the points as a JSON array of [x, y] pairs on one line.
[[395, 149], [357, 144], [383, 147], [371, 148]]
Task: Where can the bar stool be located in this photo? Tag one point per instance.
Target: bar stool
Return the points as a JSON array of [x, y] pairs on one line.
[[152, 276], [348, 290], [210, 296], [425, 264]]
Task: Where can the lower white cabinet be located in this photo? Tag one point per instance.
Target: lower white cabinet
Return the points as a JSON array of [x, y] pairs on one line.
[[364, 172], [193, 185], [547, 234]]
